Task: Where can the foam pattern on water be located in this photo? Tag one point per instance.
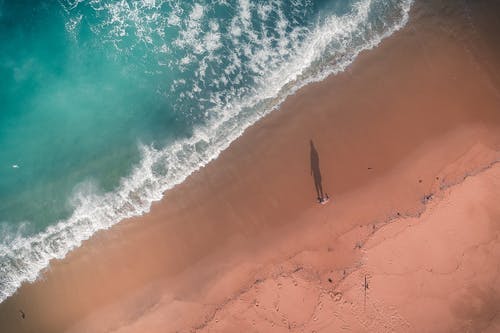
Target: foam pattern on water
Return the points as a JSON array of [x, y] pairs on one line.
[[230, 70]]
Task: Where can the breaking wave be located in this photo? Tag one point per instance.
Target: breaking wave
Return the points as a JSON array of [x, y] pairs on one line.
[[230, 71]]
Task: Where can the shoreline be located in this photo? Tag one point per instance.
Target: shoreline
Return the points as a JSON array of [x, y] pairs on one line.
[[79, 227], [255, 203]]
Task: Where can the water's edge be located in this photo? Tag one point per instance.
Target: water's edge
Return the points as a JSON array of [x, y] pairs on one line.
[[159, 171]]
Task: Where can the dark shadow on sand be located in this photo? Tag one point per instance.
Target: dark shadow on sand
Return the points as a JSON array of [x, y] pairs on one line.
[[316, 172]]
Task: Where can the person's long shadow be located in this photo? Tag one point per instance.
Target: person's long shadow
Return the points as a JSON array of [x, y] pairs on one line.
[[316, 172]]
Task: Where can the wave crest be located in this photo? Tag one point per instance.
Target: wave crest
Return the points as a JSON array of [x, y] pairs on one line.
[[278, 61]]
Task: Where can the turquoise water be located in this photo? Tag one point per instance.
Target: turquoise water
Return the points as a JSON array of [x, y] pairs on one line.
[[107, 104]]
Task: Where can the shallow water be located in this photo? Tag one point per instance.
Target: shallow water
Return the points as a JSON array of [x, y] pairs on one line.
[[107, 104]]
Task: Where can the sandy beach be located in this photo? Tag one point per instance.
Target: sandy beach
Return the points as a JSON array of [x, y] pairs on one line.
[[408, 145]]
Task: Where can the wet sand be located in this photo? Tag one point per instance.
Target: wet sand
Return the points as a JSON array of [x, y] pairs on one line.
[[243, 244]]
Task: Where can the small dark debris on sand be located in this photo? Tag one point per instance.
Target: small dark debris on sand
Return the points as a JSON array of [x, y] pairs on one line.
[[427, 198]]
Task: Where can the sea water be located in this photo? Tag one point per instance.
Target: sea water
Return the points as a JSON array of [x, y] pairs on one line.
[[107, 104]]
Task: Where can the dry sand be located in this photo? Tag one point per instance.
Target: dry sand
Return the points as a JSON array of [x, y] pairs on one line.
[[438, 272], [408, 139]]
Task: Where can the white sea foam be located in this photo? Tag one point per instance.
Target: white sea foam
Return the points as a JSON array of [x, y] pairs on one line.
[[301, 55]]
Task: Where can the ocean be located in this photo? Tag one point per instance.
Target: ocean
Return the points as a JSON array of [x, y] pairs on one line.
[[105, 105]]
